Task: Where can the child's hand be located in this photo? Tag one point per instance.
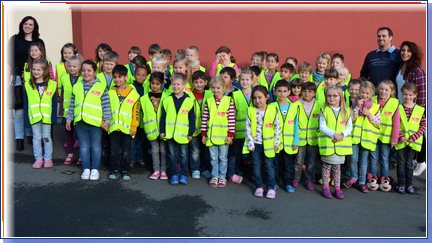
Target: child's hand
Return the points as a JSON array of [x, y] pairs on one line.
[[393, 144], [132, 133], [162, 135], [68, 125], [294, 147], [252, 149], [229, 140], [338, 137], [189, 138], [218, 58], [276, 148], [105, 126], [203, 140], [411, 140], [366, 112], [403, 140]]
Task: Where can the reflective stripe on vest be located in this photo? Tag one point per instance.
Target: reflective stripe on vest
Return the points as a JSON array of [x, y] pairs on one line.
[[40, 106], [88, 107], [122, 113], [241, 105], [309, 126], [411, 126], [386, 124], [217, 124], [364, 132], [287, 127], [150, 117], [326, 146], [67, 86], [177, 123]]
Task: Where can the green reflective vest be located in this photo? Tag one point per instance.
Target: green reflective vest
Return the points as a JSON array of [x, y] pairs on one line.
[[130, 75], [364, 132], [60, 70], [219, 68], [177, 123], [101, 76], [287, 127], [150, 117], [263, 81], [387, 113], [65, 86], [309, 125], [411, 125], [88, 107], [217, 124], [241, 105], [320, 92], [326, 146], [122, 112], [199, 110], [40, 106]]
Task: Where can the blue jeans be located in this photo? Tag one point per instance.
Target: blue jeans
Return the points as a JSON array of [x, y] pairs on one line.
[[359, 162], [258, 160], [195, 149], [381, 154], [42, 132], [405, 166], [235, 157], [18, 116], [219, 160], [178, 155], [137, 146], [90, 145]]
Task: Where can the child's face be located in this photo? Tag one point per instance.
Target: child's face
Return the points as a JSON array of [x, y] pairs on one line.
[[119, 80], [259, 99], [333, 98], [408, 96], [256, 61], [246, 81], [337, 62], [285, 73], [226, 78], [308, 95], [87, 72], [191, 54], [282, 92], [35, 52], [304, 76], [108, 66], [37, 71], [343, 76], [225, 57], [354, 90], [331, 81], [384, 91], [296, 91], [101, 53], [155, 86], [366, 94], [199, 84], [73, 67], [217, 90], [67, 53], [322, 64], [158, 67], [180, 67], [167, 58], [131, 55], [140, 75], [178, 86], [271, 63]]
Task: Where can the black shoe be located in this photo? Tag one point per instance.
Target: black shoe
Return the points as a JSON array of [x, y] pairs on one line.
[[30, 140], [20, 144], [141, 164]]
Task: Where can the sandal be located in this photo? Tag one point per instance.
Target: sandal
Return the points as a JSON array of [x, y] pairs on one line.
[[68, 160], [79, 162]]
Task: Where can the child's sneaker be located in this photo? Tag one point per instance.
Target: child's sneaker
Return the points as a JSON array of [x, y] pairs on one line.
[[38, 164], [155, 175], [364, 189], [410, 190], [236, 179], [183, 179], [214, 182], [326, 193], [339, 194], [310, 186], [113, 175], [174, 180], [222, 182], [349, 183], [48, 163], [126, 176], [401, 189], [141, 163], [163, 176], [290, 189], [86, 174], [94, 175], [271, 194], [295, 183], [259, 192], [196, 174]]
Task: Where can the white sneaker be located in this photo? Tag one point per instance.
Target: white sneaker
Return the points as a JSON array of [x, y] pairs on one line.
[[86, 174], [94, 175], [420, 167]]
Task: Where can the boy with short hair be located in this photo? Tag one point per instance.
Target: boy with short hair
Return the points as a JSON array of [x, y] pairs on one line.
[[286, 71], [192, 53], [255, 75], [177, 125], [229, 75], [154, 50], [110, 60], [304, 72], [167, 55], [125, 110], [353, 92]]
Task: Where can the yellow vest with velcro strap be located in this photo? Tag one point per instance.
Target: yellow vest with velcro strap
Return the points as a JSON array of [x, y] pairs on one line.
[[326, 146], [122, 112], [219, 68], [199, 110], [217, 125], [150, 117], [101, 76], [268, 129], [241, 105], [309, 126], [130, 75], [40, 106], [320, 92], [67, 87], [263, 81], [387, 114], [287, 127], [411, 126], [177, 123], [60, 70], [364, 132], [88, 107]]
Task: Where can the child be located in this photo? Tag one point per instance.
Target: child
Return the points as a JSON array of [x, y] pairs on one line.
[[40, 90], [288, 119], [101, 49], [258, 59], [292, 61], [286, 71], [255, 75], [66, 52], [389, 129], [110, 59], [65, 85], [217, 130], [151, 107], [337, 62], [36, 51], [304, 72], [295, 90], [192, 53], [309, 112], [353, 92], [228, 75], [270, 76], [223, 59], [177, 125], [262, 139], [154, 50], [366, 117], [242, 100], [334, 139], [167, 55], [182, 66], [413, 128], [331, 79], [125, 119], [322, 64], [132, 53], [89, 110], [160, 65]]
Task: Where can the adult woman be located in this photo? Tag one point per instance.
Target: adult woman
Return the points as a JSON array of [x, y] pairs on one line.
[[28, 32], [412, 71]]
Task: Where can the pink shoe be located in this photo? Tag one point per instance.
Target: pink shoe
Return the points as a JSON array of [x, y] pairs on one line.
[[236, 179], [79, 161], [271, 194], [155, 175], [68, 160], [259, 192], [48, 163], [163, 176], [38, 164]]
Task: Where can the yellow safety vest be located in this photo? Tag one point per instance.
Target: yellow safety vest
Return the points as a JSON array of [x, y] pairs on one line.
[[325, 143], [199, 110], [130, 75], [217, 125], [66, 87], [122, 112], [263, 81], [88, 107], [40, 106], [411, 126], [287, 127], [101, 76], [309, 126], [387, 113], [177, 123], [364, 132], [219, 68], [60, 70], [320, 93], [150, 117], [241, 105]]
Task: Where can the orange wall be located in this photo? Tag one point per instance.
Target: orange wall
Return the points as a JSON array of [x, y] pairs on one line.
[[303, 34]]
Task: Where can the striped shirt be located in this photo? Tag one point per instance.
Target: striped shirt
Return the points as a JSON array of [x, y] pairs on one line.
[[231, 118], [422, 128], [418, 77]]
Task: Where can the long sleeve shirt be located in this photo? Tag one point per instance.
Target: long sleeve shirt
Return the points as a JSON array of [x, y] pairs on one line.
[[122, 94], [329, 132], [418, 77], [177, 103], [422, 128], [231, 119], [251, 140]]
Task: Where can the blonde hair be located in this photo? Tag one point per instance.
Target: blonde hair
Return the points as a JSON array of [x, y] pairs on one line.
[[367, 85], [391, 85], [217, 80], [325, 56], [343, 108]]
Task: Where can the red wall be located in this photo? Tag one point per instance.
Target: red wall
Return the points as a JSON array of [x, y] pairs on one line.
[[302, 34]]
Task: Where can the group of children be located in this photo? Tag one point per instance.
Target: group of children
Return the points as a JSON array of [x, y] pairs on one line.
[[284, 122]]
